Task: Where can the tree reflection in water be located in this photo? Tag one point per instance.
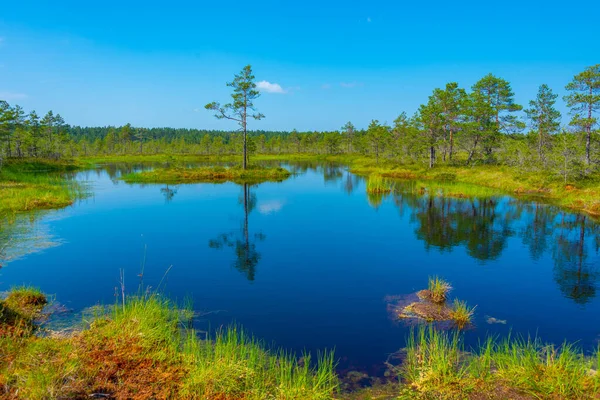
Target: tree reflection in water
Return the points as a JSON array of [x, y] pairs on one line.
[[483, 226], [168, 193], [246, 255]]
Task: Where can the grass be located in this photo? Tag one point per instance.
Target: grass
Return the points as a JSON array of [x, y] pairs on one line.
[[461, 313], [487, 180], [433, 361], [433, 306], [18, 311], [437, 366], [144, 349], [376, 184], [208, 174], [438, 289], [27, 185]]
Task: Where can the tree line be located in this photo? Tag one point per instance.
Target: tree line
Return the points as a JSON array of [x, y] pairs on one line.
[[456, 126]]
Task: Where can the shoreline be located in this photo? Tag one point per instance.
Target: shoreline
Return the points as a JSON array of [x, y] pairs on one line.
[[29, 194]]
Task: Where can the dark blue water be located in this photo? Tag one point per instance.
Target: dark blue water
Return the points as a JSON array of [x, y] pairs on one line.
[[314, 261]]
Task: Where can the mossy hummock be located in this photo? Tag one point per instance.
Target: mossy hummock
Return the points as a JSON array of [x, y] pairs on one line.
[[208, 175]]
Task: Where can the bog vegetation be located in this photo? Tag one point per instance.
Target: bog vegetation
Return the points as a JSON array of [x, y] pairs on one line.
[[208, 174], [460, 143], [456, 126], [478, 136], [144, 347]]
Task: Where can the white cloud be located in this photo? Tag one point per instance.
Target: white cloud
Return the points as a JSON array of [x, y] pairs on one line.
[[197, 109], [326, 86], [270, 207], [269, 87], [12, 96]]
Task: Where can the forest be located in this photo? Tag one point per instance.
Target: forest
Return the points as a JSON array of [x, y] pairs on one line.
[[456, 127]]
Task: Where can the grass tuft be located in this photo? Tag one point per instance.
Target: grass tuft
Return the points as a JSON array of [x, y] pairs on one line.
[[438, 289], [19, 310], [461, 313], [378, 185]]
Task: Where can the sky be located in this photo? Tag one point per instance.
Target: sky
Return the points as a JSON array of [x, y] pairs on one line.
[[318, 64]]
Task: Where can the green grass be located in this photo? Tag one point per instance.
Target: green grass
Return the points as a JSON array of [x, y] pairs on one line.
[[438, 366], [28, 185], [236, 366], [461, 313], [144, 349], [18, 311], [209, 174], [376, 184], [438, 289], [433, 361], [487, 180]]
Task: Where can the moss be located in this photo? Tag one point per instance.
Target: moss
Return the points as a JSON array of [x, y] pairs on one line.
[[19, 310], [209, 175]]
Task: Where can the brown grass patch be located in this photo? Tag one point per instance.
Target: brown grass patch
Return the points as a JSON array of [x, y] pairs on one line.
[[119, 367], [428, 311]]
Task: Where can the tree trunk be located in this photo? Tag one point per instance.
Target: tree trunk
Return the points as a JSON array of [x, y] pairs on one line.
[[445, 143], [589, 131], [472, 152], [540, 144], [245, 162], [431, 156], [451, 144]]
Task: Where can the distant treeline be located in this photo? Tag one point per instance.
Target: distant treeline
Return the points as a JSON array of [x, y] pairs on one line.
[[483, 125], [190, 135]]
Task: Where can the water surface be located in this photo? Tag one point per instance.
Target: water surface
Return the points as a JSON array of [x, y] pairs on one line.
[[308, 264]]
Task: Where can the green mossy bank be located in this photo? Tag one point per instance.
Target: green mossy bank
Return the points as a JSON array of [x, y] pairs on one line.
[[27, 185], [177, 175]]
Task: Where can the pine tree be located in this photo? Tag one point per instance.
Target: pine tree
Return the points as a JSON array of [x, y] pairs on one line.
[[348, 130], [498, 94], [377, 136], [584, 101], [452, 102], [431, 121], [244, 93], [544, 118]]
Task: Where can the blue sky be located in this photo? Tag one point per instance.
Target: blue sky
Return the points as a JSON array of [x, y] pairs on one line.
[[109, 63]]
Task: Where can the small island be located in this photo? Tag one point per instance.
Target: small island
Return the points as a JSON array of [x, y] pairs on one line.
[[177, 175]]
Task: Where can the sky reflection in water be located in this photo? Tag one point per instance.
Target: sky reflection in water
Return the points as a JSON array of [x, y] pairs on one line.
[[308, 263]]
